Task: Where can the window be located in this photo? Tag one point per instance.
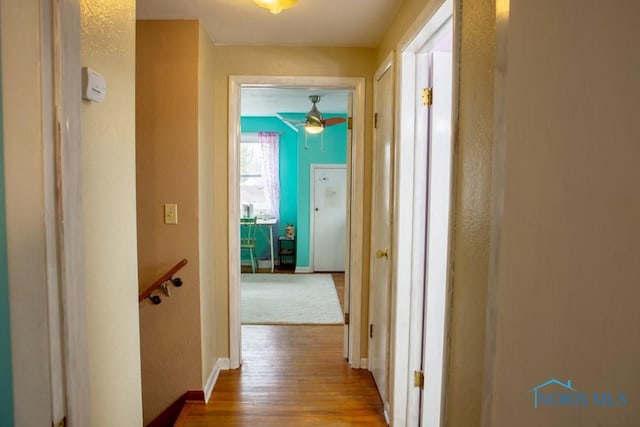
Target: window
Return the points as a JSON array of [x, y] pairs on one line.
[[259, 177], [251, 181]]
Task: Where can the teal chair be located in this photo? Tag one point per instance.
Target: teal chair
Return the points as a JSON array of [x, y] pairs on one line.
[[248, 240]]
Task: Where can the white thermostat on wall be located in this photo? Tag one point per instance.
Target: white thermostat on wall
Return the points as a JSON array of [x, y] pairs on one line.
[[94, 87]]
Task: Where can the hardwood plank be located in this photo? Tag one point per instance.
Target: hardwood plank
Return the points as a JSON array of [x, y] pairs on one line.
[[291, 375]]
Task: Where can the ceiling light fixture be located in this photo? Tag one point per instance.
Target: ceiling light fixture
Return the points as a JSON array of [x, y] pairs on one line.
[[313, 128], [276, 6]]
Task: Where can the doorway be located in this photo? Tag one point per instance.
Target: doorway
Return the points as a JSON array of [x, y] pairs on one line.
[[426, 97], [355, 173]]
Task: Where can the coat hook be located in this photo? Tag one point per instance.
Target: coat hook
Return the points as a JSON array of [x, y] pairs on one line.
[[165, 289]]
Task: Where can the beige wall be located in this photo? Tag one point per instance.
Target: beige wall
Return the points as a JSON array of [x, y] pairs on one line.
[[167, 172], [24, 182], [408, 19], [472, 213], [108, 147], [207, 215], [567, 293], [279, 61]]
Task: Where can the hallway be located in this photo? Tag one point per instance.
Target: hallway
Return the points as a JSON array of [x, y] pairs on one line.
[[291, 376]]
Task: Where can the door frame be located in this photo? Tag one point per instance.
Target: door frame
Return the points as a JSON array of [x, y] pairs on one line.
[[355, 214], [410, 202], [312, 169], [61, 300], [387, 66]]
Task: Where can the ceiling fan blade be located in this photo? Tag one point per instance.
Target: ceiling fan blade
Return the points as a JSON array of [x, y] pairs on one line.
[[333, 121]]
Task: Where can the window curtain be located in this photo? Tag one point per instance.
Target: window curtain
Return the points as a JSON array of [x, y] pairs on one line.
[[269, 143]]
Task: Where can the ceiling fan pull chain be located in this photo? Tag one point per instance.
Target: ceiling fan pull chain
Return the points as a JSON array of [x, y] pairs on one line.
[[322, 142], [306, 142]]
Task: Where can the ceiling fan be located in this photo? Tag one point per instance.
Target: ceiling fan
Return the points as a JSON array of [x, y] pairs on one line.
[[314, 122]]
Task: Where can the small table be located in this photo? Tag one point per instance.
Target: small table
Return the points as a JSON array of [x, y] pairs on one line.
[[287, 252], [269, 223]]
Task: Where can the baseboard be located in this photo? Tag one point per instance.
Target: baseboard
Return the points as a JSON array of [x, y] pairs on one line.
[[170, 415], [364, 363], [304, 270], [386, 413], [220, 365]]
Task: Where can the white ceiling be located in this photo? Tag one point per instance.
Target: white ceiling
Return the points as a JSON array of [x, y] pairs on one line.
[[272, 101], [345, 23], [310, 23]]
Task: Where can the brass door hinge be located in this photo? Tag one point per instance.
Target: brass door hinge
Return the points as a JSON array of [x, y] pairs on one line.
[[349, 123], [418, 379], [371, 330], [375, 121], [346, 318], [427, 96]]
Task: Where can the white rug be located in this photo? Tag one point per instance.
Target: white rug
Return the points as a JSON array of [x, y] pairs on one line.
[[272, 299]]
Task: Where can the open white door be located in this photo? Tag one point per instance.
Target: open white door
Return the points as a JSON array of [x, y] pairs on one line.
[[438, 213], [421, 226], [380, 277]]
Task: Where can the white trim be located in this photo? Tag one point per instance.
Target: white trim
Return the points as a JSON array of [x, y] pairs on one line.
[[387, 408], [222, 364], [304, 270], [56, 335], [233, 204], [410, 201], [70, 228], [364, 363], [312, 189], [355, 171]]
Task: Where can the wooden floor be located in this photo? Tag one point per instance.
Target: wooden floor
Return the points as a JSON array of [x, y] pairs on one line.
[[290, 376]]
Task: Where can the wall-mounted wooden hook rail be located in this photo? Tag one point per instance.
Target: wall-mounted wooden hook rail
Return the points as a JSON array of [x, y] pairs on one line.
[[168, 276]]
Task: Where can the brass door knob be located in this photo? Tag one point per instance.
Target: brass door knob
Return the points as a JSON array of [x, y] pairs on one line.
[[382, 253]]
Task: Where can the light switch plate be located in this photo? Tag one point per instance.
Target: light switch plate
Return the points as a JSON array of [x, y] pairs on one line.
[[170, 213]]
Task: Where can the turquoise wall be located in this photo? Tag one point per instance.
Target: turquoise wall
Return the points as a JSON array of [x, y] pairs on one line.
[[288, 173], [331, 150], [295, 165], [6, 384]]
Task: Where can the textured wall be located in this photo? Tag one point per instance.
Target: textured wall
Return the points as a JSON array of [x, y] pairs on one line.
[[108, 149], [566, 295], [167, 111], [472, 213]]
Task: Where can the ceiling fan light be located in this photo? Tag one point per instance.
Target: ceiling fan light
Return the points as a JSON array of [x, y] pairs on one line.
[[313, 129], [276, 6]]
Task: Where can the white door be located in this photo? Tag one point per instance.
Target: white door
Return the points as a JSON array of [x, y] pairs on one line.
[[329, 216], [379, 288], [438, 210]]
